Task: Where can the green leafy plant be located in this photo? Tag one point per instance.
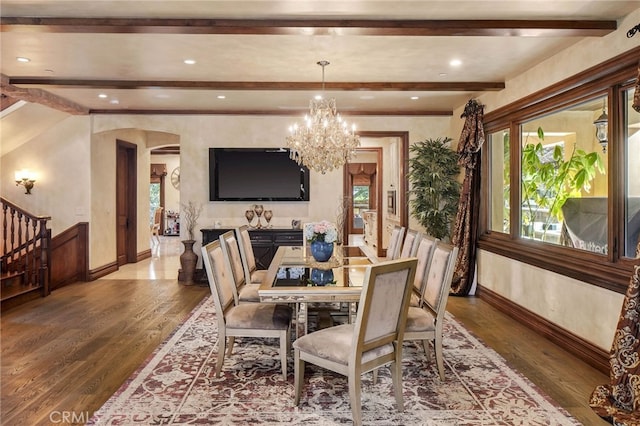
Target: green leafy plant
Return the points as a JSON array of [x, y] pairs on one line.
[[547, 185], [434, 193]]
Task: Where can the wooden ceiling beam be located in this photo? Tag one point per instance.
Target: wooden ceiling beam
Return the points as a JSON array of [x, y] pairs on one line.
[[435, 28], [259, 85], [288, 113], [41, 97]]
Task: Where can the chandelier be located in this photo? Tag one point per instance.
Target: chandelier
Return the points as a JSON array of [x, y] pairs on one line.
[[325, 141]]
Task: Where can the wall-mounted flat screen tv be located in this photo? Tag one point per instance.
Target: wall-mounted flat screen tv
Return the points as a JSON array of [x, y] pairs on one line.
[[256, 174]]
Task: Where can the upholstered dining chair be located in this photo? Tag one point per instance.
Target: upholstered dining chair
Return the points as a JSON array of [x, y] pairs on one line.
[[410, 243], [374, 340], [243, 292], [155, 225], [395, 242], [245, 319], [424, 253], [425, 323], [252, 274]]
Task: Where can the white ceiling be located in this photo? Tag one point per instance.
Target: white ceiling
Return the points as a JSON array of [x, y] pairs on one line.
[[144, 72]]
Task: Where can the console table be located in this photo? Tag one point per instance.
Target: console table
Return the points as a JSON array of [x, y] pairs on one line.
[[265, 242]]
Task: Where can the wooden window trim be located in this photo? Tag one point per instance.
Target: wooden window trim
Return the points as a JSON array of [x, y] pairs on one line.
[[612, 271]]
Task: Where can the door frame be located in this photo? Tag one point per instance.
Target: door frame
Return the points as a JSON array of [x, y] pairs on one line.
[[403, 168], [130, 185]]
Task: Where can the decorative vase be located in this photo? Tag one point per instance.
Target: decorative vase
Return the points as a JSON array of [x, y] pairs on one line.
[[321, 251], [321, 277], [188, 261]]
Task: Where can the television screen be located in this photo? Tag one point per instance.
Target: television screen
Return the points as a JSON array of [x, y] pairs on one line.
[[254, 174]]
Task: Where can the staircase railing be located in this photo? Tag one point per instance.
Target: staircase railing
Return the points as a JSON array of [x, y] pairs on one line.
[[26, 243]]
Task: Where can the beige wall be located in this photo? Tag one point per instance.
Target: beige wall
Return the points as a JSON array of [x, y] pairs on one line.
[[60, 158], [581, 308], [199, 133]]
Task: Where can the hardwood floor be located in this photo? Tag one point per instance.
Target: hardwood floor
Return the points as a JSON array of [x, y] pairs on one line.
[[66, 354]]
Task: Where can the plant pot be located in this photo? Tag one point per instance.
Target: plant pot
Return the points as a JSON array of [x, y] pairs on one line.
[[188, 261], [321, 251]]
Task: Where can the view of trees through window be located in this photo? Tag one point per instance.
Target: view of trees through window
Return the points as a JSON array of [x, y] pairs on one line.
[[563, 179], [154, 199]]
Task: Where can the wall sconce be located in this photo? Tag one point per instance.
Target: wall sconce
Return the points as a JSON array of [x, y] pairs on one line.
[[602, 128], [26, 179]]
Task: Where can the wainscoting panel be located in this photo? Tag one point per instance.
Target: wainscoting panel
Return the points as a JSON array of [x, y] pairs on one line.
[[70, 256]]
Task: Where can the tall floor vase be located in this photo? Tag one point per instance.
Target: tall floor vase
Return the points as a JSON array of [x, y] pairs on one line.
[[188, 261]]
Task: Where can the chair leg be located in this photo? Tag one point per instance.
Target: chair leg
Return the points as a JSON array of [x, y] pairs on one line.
[[437, 343], [298, 377], [232, 341], [396, 378], [375, 376], [354, 397], [221, 348], [284, 349], [427, 351]]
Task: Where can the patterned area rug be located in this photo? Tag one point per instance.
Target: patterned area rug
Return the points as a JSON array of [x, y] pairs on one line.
[[177, 385]]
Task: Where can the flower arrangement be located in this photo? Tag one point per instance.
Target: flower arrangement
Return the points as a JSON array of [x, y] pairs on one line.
[[324, 231]]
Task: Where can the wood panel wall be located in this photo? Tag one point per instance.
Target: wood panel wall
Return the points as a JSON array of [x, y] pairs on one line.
[[70, 256]]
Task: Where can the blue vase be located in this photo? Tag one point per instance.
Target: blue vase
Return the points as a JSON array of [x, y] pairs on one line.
[[321, 251], [321, 277]]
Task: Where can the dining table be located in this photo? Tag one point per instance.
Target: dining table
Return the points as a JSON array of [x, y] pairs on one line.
[[295, 277]]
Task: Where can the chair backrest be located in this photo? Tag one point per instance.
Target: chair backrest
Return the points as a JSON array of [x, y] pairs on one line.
[[220, 279], [439, 278], [384, 302], [157, 217], [395, 242], [410, 244], [231, 253], [424, 253], [246, 252]]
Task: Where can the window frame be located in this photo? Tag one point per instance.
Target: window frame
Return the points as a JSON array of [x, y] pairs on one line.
[[610, 271]]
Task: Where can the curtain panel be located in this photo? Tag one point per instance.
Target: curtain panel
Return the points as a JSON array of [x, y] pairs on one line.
[[465, 231]]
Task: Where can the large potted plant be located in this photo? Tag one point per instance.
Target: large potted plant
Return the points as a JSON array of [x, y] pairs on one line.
[[189, 259], [434, 193]]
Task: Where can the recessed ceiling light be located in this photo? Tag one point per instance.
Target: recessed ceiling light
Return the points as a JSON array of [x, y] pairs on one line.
[[22, 59], [102, 96], [114, 101], [455, 62], [318, 97], [443, 74], [413, 98], [48, 71], [189, 61], [221, 97]]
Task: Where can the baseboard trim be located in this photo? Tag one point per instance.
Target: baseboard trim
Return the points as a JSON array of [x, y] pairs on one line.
[[143, 255], [103, 270], [586, 351]]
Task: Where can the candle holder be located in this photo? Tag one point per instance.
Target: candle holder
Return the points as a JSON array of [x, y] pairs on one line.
[[258, 210]]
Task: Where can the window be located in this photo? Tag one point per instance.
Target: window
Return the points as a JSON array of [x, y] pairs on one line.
[[563, 179], [631, 139], [557, 197], [500, 181], [154, 199]]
